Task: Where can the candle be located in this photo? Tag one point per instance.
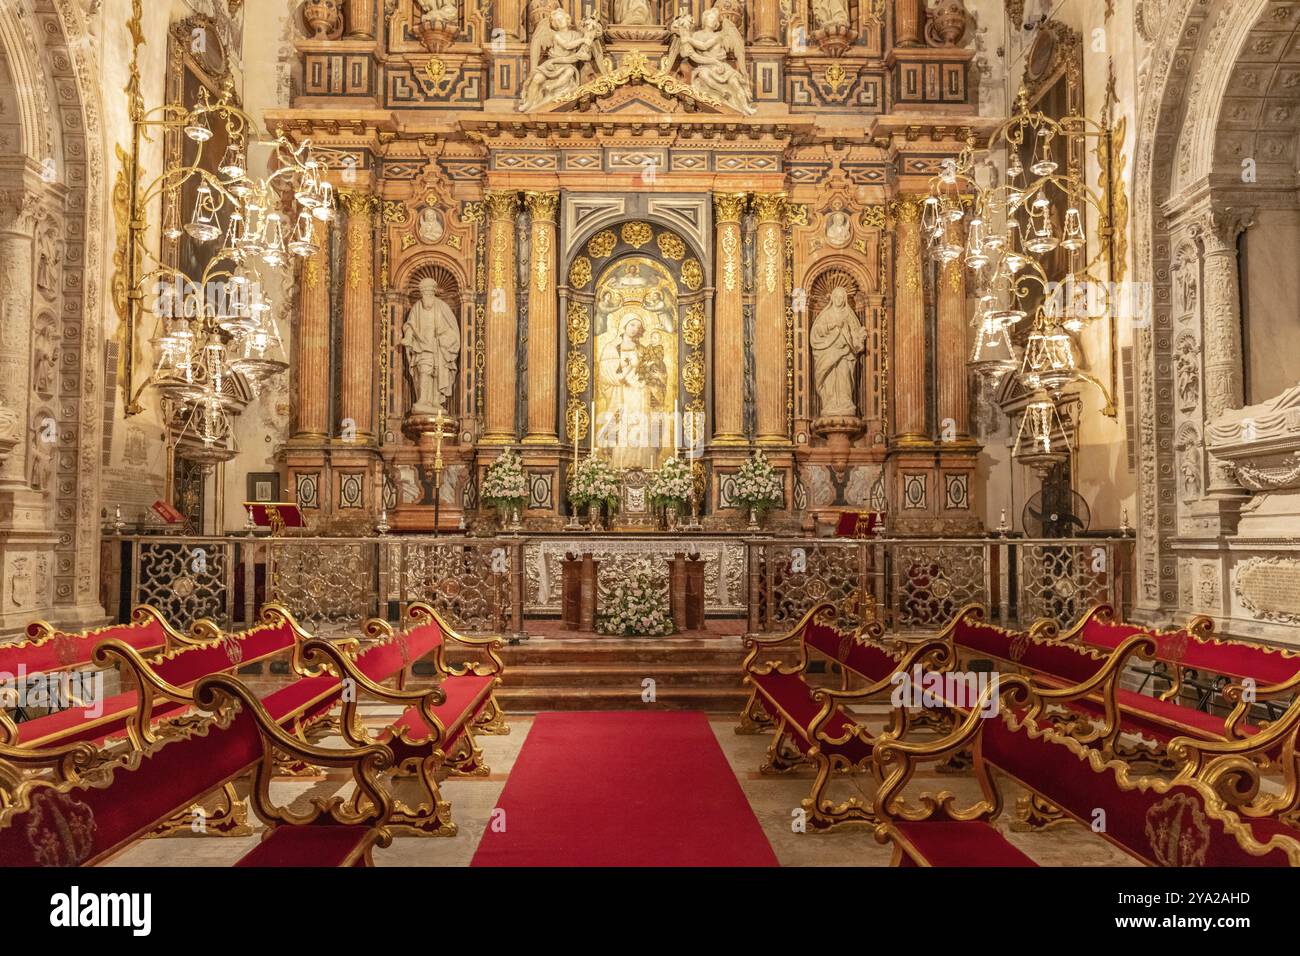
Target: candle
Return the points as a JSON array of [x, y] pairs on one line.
[[675, 445], [593, 428], [576, 420]]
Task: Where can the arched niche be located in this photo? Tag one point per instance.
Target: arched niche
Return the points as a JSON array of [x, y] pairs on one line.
[[601, 248], [452, 288], [844, 271]]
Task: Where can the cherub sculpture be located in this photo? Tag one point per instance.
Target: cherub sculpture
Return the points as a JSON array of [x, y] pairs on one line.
[[709, 50], [558, 55]]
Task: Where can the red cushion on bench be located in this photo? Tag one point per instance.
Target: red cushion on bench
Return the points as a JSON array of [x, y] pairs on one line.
[[954, 843], [465, 698], [86, 822], [186, 667], [72, 725], [1169, 828], [1230, 658], [309, 846], [795, 700], [61, 651]]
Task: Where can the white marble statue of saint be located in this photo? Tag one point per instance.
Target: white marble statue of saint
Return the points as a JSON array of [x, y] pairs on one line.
[[558, 55], [633, 12], [837, 339], [709, 50], [839, 226], [431, 339], [428, 226], [831, 13]]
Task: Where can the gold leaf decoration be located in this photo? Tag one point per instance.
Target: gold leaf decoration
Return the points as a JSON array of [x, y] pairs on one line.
[[693, 375], [671, 246], [577, 420], [692, 274], [579, 322], [580, 272], [602, 244], [637, 234], [577, 373], [693, 326]]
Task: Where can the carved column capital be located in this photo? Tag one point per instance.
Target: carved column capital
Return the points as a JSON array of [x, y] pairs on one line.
[[728, 207], [907, 209], [502, 206], [20, 209], [542, 206], [357, 202], [770, 207], [1218, 227]]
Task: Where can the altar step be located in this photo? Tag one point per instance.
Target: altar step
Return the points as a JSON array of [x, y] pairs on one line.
[[607, 673]]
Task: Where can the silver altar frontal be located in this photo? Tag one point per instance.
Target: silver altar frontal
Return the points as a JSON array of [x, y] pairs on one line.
[[623, 555]]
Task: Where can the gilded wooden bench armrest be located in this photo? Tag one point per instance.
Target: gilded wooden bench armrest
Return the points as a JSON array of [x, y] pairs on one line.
[[756, 643], [1099, 612], [937, 652], [898, 759], [1235, 694], [1104, 683], [8, 729], [1196, 755], [68, 761], [148, 686], [213, 692], [424, 611], [174, 639], [320, 653]]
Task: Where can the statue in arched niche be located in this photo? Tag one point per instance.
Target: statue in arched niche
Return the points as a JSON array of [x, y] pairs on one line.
[[837, 340], [431, 340]]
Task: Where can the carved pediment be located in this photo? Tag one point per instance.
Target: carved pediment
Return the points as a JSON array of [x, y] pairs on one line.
[[638, 85]]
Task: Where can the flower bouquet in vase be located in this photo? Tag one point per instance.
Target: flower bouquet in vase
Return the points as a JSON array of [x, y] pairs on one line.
[[757, 488], [669, 488], [592, 484], [505, 488]]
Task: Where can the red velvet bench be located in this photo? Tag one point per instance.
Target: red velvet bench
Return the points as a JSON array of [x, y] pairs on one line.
[[1274, 671], [1060, 664], [51, 741], [1157, 822], [812, 720], [428, 740], [89, 821]]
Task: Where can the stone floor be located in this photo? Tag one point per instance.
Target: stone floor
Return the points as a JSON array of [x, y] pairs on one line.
[[773, 800]]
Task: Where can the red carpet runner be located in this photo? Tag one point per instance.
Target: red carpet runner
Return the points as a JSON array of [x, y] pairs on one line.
[[624, 789]]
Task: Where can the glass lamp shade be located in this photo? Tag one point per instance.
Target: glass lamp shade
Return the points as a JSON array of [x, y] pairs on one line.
[[1039, 424], [993, 353], [203, 225]]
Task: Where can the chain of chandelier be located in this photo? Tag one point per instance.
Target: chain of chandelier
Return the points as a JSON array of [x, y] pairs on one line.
[[1014, 216], [219, 323]]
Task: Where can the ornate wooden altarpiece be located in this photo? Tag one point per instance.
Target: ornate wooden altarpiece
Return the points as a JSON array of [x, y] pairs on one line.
[[744, 224]]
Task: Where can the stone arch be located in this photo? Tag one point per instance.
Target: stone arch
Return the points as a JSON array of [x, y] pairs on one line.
[[1186, 186], [52, 220]]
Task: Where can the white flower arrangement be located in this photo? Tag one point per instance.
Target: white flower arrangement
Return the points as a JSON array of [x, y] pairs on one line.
[[757, 484], [504, 484], [593, 480], [638, 607], [671, 484]]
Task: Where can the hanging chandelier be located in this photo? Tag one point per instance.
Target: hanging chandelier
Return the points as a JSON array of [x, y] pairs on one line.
[[215, 324], [1015, 217]]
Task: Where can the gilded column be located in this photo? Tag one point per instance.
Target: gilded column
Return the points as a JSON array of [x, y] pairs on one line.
[[502, 336], [951, 356], [767, 21], [769, 320], [909, 326], [728, 322], [312, 345], [356, 403], [543, 337]]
